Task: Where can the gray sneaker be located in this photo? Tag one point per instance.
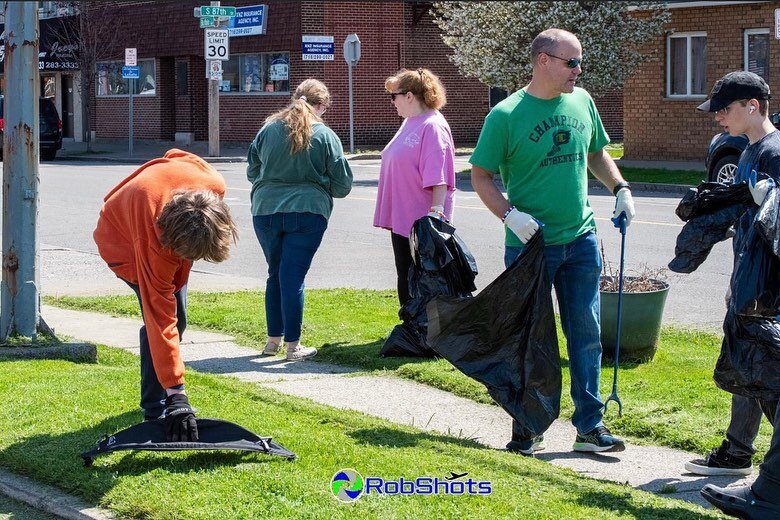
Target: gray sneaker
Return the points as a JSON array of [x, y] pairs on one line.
[[271, 349], [300, 352]]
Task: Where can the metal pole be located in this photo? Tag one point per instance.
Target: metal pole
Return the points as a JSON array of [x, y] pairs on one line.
[[213, 110], [351, 118], [19, 296], [130, 130]]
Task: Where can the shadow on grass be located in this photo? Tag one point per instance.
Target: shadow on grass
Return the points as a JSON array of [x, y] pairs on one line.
[[624, 503], [391, 438], [33, 457]]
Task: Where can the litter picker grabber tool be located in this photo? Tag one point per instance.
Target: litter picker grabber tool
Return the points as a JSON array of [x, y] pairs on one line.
[[620, 222]]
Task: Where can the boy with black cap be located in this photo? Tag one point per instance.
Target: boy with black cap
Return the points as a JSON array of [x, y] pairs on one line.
[[740, 101]]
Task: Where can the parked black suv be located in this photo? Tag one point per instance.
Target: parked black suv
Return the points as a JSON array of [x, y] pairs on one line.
[[724, 151], [50, 128]]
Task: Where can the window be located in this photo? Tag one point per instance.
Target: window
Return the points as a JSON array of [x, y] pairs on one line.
[[686, 64], [496, 95], [757, 52], [255, 73], [111, 83], [182, 77]]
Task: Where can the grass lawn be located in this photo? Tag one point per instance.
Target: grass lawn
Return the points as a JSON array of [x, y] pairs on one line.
[[656, 175], [670, 401], [55, 409]]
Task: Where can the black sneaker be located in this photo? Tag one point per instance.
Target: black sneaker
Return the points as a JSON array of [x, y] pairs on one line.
[[527, 448], [597, 440], [721, 462]]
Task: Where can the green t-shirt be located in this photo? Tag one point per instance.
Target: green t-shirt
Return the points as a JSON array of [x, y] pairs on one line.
[[305, 182], [540, 148]]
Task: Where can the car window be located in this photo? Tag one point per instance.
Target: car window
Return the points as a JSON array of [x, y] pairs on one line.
[[48, 110]]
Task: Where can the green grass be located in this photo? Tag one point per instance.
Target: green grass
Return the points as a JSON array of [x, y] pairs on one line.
[[670, 401], [55, 409], [615, 150], [657, 175]]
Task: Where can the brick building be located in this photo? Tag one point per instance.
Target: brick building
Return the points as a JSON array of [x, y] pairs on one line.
[[702, 42], [172, 92]]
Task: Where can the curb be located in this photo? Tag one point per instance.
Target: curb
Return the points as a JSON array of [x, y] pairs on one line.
[[138, 160], [646, 186], [49, 499], [76, 352]]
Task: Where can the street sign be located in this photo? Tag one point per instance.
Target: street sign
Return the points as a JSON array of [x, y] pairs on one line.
[[317, 48], [216, 44], [207, 21], [131, 72], [352, 49], [215, 70], [248, 21], [210, 10], [131, 56]]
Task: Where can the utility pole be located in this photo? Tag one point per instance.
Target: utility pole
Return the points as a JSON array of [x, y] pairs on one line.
[[213, 109], [19, 292]]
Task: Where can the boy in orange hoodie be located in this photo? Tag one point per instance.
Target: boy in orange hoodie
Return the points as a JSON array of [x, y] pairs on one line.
[[153, 225]]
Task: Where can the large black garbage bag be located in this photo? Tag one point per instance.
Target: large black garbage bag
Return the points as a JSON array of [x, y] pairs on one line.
[[443, 265], [505, 338], [710, 209], [708, 197], [749, 361]]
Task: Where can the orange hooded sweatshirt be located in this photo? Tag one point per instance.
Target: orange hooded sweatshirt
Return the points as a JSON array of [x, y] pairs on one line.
[[128, 239]]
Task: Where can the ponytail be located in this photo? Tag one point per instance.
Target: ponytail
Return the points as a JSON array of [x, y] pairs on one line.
[[299, 115]]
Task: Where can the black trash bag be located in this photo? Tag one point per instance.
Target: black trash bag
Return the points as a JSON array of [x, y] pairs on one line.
[[755, 287], [443, 265], [505, 338], [708, 197], [750, 357], [710, 210]]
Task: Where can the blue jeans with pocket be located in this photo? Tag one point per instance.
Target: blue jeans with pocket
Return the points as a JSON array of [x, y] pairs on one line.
[[289, 242], [575, 269]]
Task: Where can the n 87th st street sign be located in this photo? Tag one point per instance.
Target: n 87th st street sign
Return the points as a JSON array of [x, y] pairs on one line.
[[216, 45]]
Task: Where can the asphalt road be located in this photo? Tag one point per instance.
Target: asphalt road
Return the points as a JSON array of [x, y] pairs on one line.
[[354, 253]]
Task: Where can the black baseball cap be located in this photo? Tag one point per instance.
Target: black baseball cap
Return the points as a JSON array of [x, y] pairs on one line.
[[733, 86]]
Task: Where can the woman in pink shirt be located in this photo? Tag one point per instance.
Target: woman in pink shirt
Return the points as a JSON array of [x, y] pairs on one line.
[[417, 173]]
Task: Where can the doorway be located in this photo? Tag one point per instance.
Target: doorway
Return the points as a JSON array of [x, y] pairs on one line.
[[67, 105]]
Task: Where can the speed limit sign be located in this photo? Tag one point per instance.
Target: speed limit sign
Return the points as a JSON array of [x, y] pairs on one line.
[[217, 44]]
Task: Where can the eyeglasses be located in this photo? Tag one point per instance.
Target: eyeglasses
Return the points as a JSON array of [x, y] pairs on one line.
[[572, 63], [725, 110], [393, 94]]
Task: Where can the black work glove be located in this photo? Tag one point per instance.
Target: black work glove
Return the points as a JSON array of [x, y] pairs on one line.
[[180, 425]]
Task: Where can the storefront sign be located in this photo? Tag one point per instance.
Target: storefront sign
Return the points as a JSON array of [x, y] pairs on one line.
[[248, 21], [54, 53], [317, 48]]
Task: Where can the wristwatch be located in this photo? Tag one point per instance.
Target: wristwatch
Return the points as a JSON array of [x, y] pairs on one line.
[[619, 186]]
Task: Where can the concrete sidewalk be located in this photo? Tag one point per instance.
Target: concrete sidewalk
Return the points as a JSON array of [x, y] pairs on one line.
[[651, 468]]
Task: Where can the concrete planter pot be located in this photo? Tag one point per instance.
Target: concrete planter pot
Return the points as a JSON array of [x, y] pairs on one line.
[[641, 325]]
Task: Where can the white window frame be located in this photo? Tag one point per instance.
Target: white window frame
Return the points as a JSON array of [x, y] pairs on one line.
[[745, 37], [689, 61]]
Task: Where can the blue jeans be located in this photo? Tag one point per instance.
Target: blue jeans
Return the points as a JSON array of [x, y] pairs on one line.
[[289, 242], [574, 270]]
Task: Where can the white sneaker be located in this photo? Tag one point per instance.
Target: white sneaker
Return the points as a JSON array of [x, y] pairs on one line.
[[271, 349], [300, 352]]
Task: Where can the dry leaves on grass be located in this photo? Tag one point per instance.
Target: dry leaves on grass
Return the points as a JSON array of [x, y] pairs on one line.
[[642, 279]]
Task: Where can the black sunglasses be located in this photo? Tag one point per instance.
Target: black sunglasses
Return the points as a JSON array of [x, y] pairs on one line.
[[572, 63], [393, 94]]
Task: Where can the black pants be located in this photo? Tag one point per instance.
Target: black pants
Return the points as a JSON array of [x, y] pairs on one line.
[[403, 262], [767, 485], [152, 392]]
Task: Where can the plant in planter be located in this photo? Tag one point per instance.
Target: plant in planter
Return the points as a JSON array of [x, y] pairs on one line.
[[644, 296]]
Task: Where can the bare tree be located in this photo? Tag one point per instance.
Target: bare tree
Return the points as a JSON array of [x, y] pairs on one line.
[[93, 29]]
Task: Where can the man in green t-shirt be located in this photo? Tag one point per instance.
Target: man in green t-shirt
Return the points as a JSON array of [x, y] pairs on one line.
[[542, 139]]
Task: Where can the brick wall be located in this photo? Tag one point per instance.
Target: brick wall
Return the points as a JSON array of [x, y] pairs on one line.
[[667, 129], [610, 107]]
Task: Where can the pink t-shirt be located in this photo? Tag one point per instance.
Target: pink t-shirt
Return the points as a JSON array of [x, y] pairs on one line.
[[420, 155]]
